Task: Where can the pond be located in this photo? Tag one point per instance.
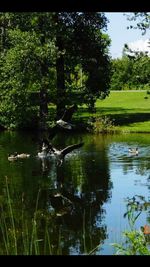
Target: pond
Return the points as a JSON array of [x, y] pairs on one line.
[[79, 205]]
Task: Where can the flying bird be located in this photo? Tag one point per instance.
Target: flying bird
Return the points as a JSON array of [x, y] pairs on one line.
[[64, 124]]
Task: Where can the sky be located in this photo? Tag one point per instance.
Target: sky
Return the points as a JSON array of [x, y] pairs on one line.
[[118, 32]]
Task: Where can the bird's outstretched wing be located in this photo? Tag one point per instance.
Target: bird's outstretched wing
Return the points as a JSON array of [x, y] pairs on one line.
[[68, 149]]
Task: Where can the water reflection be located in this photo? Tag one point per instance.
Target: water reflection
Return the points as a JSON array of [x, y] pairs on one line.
[[78, 201], [81, 187]]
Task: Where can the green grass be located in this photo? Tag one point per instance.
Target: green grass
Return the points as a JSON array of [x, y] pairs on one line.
[[129, 110]]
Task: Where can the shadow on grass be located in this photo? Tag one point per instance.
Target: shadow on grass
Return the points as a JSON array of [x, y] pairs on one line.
[[126, 119], [125, 116]]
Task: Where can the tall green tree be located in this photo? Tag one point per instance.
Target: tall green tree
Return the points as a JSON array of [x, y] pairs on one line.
[[122, 69], [40, 52], [27, 57], [80, 41], [132, 71]]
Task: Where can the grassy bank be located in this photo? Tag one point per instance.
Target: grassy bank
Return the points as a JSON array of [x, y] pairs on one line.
[[129, 110]]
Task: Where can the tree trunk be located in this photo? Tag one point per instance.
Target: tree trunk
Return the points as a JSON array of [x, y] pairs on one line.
[[43, 108], [60, 86], [44, 73], [60, 71], [43, 97]]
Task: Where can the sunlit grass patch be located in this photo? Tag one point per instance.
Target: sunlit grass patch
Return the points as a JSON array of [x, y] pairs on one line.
[[130, 111]]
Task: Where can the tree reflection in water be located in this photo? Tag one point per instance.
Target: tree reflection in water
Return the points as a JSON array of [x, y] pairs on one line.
[[76, 203]]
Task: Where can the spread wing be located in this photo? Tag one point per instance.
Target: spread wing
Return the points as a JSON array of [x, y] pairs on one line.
[[68, 149]]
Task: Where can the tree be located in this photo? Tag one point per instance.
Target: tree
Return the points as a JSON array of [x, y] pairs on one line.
[[84, 45], [132, 71], [140, 59], [39, 54], [79, 35], [142, 20], [141, 71], [121, 73], [27, 46]]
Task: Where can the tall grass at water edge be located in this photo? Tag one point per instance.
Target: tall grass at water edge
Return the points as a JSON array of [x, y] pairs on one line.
[[19, 237]]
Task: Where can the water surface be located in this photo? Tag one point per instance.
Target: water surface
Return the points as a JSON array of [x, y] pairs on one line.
[[85, 199]]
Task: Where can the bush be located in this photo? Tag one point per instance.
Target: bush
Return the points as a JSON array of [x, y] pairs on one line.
[[103, 125]]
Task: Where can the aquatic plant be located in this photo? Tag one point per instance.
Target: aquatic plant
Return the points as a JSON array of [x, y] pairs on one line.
[[21, 236], [135, 241]]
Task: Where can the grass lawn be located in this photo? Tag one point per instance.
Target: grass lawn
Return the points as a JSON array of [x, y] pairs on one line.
[[130, 110]]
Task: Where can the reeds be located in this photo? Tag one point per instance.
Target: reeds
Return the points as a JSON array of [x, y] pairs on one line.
[[8, 229], [24, 236]]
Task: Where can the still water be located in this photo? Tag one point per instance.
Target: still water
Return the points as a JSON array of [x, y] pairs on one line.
[[83, 202]]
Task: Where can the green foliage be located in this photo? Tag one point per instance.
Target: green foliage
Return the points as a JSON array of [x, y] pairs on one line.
[[121, 73], [15, 74], [103, 124], [32, 45], [131, 73], [139, 20], [135, 240], [135, 244], [98, 71], [87, 48], [19, 77], [141, 71], [134, 209], [75, 85]]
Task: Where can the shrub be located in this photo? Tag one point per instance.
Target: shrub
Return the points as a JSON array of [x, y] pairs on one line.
[[103, 125]]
